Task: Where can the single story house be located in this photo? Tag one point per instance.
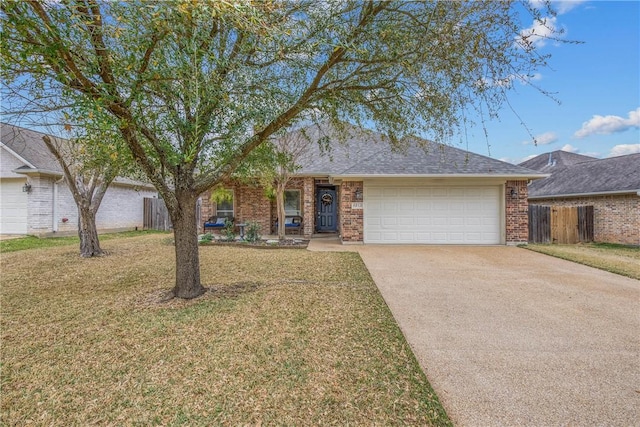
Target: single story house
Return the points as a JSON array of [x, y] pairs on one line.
[[611, 186], [35, 200], [366, 192]]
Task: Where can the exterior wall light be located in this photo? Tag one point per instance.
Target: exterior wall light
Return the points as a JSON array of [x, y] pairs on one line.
[[358, 194], [514, 193], [26, 188]]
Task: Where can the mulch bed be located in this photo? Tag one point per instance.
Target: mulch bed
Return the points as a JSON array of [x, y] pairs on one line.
[[262, 244]]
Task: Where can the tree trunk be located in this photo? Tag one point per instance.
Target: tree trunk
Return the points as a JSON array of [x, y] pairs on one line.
[[88, 233], [282, 231], [185, 232]]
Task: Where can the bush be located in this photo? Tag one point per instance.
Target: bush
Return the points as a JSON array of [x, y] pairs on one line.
[[228, 230], [253, 232], [205, 238]]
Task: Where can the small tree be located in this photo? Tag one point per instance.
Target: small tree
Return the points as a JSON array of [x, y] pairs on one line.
[[90, 161], [288, 152]]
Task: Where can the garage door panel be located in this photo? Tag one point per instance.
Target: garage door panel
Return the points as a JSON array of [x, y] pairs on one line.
[[13, 207], [437, 215]]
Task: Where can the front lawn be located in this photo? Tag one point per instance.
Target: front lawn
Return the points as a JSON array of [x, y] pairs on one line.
[[286, 337], [32, 242], [619, 259]]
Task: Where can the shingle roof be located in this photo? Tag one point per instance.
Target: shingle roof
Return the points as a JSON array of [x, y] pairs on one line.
[[364, 153], [555, 161], [615, 174], [29, 145]]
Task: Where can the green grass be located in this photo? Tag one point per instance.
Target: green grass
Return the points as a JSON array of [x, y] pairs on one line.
[[32, 242], [287, 337], [619, 259]]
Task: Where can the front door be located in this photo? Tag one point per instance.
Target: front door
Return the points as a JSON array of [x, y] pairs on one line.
[[327, 212]]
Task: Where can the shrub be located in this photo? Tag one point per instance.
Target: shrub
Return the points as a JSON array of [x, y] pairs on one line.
[[205, 238], [253, 232], [228, 230]]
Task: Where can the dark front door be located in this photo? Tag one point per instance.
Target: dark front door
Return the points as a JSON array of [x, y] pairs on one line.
[[327, 212]]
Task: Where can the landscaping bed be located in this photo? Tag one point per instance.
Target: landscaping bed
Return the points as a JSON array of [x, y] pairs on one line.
[[279, 338], [261, 243]]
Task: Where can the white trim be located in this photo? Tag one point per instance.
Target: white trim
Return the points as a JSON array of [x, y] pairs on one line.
[[440, 175], [599, 193], [16, 155], [360, 177]]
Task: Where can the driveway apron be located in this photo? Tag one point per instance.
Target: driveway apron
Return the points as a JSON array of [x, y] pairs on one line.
[[511, 337]]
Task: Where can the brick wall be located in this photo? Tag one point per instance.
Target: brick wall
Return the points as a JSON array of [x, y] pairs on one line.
[[616, 218], [351, 220], [308, 206], [516, 210], [250, 204]]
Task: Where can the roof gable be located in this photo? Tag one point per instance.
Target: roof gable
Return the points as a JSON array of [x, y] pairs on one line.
[[555, 161], [29, 147], [364, 153], [614, 174]]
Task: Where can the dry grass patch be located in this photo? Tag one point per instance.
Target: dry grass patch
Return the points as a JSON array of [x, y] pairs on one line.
[[285, 337], [619, 259]]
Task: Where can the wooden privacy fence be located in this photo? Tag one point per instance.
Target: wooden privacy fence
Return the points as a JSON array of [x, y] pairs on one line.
[[156, 216], [560, 224]]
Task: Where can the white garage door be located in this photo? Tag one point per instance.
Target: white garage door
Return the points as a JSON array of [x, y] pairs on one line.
[[433, 215], [13, 207]]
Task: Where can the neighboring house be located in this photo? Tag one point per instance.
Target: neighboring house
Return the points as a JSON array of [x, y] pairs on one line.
[[35, 200], [368, 193], [611, 186], [555, 161]]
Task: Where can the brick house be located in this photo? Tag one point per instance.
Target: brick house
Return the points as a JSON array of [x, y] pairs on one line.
[[611, 186], [367, 192], [35, 200]]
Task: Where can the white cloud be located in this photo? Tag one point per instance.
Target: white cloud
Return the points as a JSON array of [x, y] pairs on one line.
[[564, 6], [538, 33], [570, 148], [622, 149], [561, 6], [544, 138], [605, 125]]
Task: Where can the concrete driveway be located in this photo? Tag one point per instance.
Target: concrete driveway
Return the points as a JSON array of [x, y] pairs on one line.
[[511, 337]]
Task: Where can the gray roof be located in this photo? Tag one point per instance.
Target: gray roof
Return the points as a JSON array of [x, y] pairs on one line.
[[555, 161], [612, 175], [29, 145], [364, 153]]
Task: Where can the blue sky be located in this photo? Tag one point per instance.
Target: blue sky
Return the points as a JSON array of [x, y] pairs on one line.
[[597, 83]]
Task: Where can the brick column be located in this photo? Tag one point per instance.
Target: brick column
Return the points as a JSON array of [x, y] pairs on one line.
[[351, 220], [517, 214], [308, 206]]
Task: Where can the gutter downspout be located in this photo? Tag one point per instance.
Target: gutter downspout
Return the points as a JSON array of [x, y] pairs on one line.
[[54, 213]]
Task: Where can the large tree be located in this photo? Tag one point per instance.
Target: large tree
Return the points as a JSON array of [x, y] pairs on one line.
[[195, 86]]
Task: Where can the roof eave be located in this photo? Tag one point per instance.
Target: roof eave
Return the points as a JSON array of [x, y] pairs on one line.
[[595, 193], [441, 175], [35, 171], [16, 155]]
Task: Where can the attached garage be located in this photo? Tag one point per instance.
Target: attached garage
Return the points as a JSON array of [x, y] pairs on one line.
[[432, 214], [13, 207]]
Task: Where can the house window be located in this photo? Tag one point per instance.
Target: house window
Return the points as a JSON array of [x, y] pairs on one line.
[[224, 208], [292, 202]]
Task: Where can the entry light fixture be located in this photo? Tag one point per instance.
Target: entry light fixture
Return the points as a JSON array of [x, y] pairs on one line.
[[514, 193], [358, 194], [26, 188]]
